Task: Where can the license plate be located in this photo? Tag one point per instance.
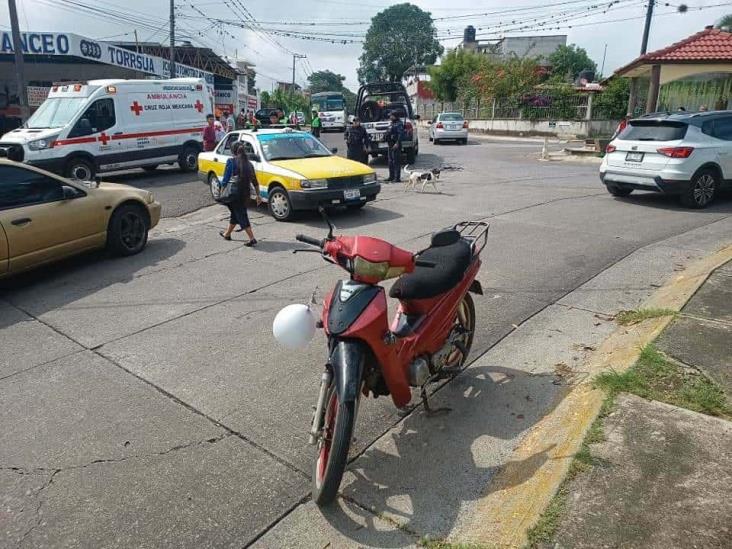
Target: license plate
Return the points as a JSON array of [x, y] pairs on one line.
[[351, 194], [634, 157], [379, 136], [455, 127]]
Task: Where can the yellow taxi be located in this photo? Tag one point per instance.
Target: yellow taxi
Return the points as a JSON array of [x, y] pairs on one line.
[[45, 217], [295, 171]]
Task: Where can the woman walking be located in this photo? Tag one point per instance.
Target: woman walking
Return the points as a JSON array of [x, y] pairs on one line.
[[240, 167]]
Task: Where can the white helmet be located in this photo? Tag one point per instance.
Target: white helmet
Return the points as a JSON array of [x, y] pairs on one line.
[[294, 326]]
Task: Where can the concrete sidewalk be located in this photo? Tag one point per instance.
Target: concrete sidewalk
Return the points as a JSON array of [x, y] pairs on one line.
[[659, 475]]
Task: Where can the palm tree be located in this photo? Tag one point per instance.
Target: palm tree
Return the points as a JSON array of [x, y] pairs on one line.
[[724, 23]]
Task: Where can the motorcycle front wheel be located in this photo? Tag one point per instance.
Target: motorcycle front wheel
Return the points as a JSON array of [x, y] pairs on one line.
[[332, 449]]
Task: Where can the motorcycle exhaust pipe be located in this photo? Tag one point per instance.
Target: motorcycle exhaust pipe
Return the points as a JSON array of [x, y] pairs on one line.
[[325, 380]]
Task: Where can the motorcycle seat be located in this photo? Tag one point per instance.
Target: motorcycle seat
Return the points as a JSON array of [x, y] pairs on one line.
[[451, 263]]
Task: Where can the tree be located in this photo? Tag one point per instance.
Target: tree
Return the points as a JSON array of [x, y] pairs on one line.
[[568, 61], [509, 78], [265, 99], [451, 79], [321, 81], [400, 36], [725, 23], [613, 101]]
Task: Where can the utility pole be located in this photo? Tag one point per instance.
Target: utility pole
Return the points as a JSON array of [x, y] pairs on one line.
[[137, 50], [172, 38], [19, 72], [647, 27], [295, 56], [602, 69]]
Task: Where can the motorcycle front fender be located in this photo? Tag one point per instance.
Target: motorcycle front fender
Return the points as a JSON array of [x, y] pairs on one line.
[[347, 360]]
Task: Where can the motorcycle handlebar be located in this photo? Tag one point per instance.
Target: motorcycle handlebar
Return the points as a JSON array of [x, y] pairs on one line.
[[309, 240]]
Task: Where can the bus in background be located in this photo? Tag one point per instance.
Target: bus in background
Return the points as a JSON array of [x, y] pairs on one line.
[[331, 108]]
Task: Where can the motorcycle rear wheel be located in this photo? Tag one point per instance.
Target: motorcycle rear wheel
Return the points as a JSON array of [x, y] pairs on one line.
[[332, 457]]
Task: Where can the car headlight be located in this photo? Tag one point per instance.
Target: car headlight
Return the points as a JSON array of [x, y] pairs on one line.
[[314, 183], [40, 144], [370, 178]]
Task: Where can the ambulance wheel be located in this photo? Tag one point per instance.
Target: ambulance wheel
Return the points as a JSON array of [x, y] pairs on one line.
[[80, 169], [188, 159]]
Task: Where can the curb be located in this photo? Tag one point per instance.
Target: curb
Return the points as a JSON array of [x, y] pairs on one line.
[[512, 505]]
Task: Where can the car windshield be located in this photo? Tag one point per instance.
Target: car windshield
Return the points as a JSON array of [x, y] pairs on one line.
[[653, 130], [451, 117], [290, 145], [326, 105], [56, 112]]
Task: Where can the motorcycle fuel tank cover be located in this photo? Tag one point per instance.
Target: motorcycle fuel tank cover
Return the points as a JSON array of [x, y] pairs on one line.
[[349, 301]]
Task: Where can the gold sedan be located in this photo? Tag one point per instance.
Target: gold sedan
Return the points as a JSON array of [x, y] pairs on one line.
[[45, 217]]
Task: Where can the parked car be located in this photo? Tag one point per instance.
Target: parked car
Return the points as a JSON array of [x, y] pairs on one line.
[[295, 171], [448, 126], [262, 115], [374, 104], [84, 128], [46, 217], [688, 155]]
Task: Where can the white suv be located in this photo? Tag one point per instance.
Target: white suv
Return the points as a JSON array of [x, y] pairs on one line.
[[689, 155]]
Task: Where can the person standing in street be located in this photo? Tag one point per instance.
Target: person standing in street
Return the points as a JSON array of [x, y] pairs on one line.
[[315, 125], [357, 142], [227, 122], [209, 134], [240, 172], [241, 120], [394, 141]]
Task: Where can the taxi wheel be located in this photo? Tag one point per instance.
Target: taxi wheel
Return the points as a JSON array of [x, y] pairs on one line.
[[212, 179], [127, 230], [279, 204]]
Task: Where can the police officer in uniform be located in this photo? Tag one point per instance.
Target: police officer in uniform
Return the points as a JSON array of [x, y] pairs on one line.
[[394, 141], [357, 142]]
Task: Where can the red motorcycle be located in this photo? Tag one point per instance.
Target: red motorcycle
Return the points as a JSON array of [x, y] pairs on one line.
[[429, 339]]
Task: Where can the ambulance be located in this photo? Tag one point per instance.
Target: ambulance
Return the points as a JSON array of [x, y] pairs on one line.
[[84, 128]]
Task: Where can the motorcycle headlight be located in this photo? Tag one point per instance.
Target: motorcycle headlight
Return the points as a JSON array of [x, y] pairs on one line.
[[314, 183], [370, 178], [40, 144]]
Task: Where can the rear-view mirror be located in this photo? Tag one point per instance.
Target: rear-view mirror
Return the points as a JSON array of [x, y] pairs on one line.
[[70, 192], [334, 150]]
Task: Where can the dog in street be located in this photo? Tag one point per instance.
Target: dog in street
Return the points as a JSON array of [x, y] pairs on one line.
[[415, 177]]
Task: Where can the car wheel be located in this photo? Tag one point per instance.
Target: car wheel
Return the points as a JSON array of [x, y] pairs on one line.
[[411, 155], [436, 141], [127, 230], [279, 204], [80, 169], [188, 159], [464, 141], [212, 178], [150, 168], [618, 191], [702, 190]]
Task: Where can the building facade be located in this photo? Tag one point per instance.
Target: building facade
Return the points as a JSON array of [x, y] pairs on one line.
[[513, 46]]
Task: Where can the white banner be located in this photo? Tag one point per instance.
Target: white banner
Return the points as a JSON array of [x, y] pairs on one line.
[[37, 95], [52, 43]]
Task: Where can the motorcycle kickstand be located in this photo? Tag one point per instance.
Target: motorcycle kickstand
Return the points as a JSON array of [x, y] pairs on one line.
[[429, 411]]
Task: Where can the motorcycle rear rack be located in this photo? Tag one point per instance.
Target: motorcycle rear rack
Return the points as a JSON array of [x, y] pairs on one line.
[[475, 232]]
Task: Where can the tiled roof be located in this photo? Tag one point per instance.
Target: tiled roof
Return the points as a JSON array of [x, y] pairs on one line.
[[709, 45]]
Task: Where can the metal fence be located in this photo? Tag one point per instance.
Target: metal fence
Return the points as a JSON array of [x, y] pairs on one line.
[[527, 107]]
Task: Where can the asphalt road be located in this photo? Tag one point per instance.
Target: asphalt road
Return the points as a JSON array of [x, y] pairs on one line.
[[145, 402]]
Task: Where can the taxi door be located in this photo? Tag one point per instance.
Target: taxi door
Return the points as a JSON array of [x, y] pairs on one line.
[[254, 157], [3, 251], [43, 219]]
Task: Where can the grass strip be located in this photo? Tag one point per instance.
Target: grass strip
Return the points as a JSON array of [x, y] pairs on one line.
[[627, 318]]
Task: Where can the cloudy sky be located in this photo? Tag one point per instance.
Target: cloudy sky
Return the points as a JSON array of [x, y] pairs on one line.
[[219, 25]]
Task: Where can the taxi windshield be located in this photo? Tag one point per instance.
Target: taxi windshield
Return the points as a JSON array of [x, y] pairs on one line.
[[291, 145], [56, 112]]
